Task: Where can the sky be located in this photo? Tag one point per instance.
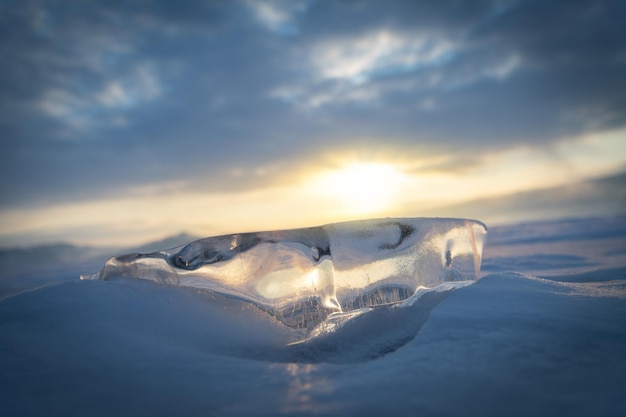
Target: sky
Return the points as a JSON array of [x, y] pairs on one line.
[[125, 121]]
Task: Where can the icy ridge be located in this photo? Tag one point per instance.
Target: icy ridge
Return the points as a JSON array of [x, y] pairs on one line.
[[314, 279]]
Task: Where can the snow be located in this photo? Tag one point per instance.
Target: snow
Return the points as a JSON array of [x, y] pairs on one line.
[[542, 333]]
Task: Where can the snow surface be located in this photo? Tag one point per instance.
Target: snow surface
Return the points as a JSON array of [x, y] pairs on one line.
[[542, 333]]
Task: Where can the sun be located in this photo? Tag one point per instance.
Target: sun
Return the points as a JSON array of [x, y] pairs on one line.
[[362, 188]]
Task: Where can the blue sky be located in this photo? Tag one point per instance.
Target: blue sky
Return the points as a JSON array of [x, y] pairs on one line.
[[124, 121]]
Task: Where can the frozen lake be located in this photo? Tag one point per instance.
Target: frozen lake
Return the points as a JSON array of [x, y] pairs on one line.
[[543, 332]]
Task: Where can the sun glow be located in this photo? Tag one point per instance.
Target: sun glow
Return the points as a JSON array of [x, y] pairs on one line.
[[337, 188], [361, 188]]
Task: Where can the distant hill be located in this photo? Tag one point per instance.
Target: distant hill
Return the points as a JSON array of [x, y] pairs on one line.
[[167, 243], [604, 196], [64, 253], [47, 254]]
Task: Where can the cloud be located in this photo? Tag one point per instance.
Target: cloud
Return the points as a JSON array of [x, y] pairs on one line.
[[191, 92], [365, 68], [279, 16], [79, 109], [142, 86], [378, 54]]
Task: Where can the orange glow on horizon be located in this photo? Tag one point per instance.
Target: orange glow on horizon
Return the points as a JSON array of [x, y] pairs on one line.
[[315, 194]]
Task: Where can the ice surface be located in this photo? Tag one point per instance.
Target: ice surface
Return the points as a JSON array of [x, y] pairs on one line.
[[549, 341], [327, 274]]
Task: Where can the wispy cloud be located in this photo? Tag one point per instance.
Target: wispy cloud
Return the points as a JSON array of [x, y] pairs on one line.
[[80, 109], [279, 16], [365, 68], [383, 53]]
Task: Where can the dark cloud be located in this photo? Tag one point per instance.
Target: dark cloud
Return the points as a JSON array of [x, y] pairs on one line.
[[99, 97]]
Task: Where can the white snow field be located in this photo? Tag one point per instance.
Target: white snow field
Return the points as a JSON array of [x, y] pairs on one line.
[[542, 333]]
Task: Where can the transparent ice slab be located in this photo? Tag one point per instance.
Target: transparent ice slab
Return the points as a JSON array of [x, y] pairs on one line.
[[314, 278]]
